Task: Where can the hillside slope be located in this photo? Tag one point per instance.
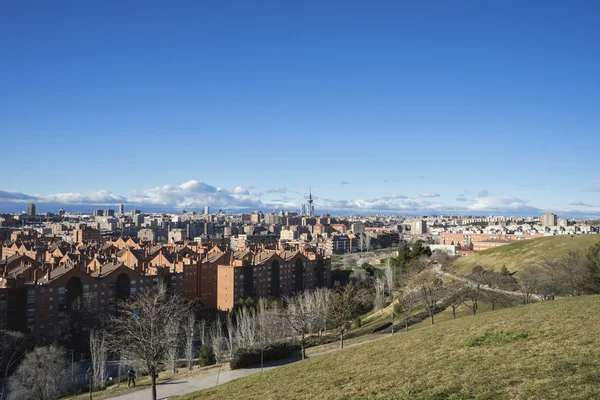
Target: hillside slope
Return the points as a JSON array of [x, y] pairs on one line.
[[518, 256], [548, 350]]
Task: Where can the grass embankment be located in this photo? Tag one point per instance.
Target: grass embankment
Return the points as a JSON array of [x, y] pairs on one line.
[[143, 382], [547, 350], [520, 255]]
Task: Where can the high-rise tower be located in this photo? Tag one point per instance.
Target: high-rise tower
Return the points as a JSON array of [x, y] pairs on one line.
[[310, 206]]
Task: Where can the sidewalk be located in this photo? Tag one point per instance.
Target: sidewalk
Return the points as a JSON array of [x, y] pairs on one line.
[[188, 385]]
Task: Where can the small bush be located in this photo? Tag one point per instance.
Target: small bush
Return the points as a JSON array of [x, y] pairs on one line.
[[357, 323], [244, 358], [495, 338], [206, 356]]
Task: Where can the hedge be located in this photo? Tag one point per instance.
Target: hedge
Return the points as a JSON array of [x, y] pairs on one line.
[[244, 358]]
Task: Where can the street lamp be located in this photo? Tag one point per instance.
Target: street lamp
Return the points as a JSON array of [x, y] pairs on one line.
[[393, 323], [90, 374]]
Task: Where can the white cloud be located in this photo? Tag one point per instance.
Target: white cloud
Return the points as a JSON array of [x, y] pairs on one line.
[[581, 204], [15, 196], [344, 183], [194, 194], [277, 190], [501, 204], [98, 197]]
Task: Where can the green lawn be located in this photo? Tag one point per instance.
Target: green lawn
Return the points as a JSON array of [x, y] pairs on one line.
[[547, 350], [519, 256]]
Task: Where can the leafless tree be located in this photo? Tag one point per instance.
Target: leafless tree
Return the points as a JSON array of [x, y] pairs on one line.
[[202, 333], [389, 277], [12, 348], [345, 306], [495, 282], [473, 293], [575, 274], [549, 284], [246, 327], [454, 295], [99, 355], [529, 283], [216, 340], [379, 286], [430, 288], [41, 375], [189, 330], [300, 316], [322, 308], [405, 305], [230, 336], [145, 327]]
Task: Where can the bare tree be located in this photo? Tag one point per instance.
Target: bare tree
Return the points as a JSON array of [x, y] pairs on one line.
[[550, 285], [473, 293], [216, 340], [390, 281], [300, 317], [454, 295], [12, 348], [345, 306], [495, 282], [189, 329], [575, 274], [202, 333], [98, 352], [405, 305], [379, 286], [145, 327], [230, 337], [529, 283], [323, 301], [430, 288], [41, 376]]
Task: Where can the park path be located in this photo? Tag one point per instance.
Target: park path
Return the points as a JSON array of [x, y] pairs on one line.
[[188, 385], [193, 384], [438, 268]]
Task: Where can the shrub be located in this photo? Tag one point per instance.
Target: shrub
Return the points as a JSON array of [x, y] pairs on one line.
[[357, 323], [244, 358], [206, 356]]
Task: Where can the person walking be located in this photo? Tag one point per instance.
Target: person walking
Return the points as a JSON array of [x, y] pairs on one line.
[[131, 377]]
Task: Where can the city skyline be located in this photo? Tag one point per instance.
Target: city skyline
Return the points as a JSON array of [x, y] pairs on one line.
[[196, 196], [401, 108]]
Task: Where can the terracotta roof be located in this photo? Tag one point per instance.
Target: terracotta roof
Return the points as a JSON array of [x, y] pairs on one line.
[[105, 270]]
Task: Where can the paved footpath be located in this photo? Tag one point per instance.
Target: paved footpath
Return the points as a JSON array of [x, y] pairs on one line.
[[188, 385], [193, 384]]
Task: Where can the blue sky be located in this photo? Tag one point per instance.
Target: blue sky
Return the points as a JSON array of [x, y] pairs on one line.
[[412, 107]]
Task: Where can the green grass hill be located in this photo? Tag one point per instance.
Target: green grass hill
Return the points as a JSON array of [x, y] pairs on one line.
[[548, 350], [519, 256]]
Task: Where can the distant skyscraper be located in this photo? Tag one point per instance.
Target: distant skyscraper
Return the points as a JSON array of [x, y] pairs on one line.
[[121, 209], [550, 220], [31, 210], [311, 209], [206, 210], [303, 210], [98, 213]]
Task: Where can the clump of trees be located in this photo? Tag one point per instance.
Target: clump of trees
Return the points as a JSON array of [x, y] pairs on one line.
[[41, 375], [572, 275]]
